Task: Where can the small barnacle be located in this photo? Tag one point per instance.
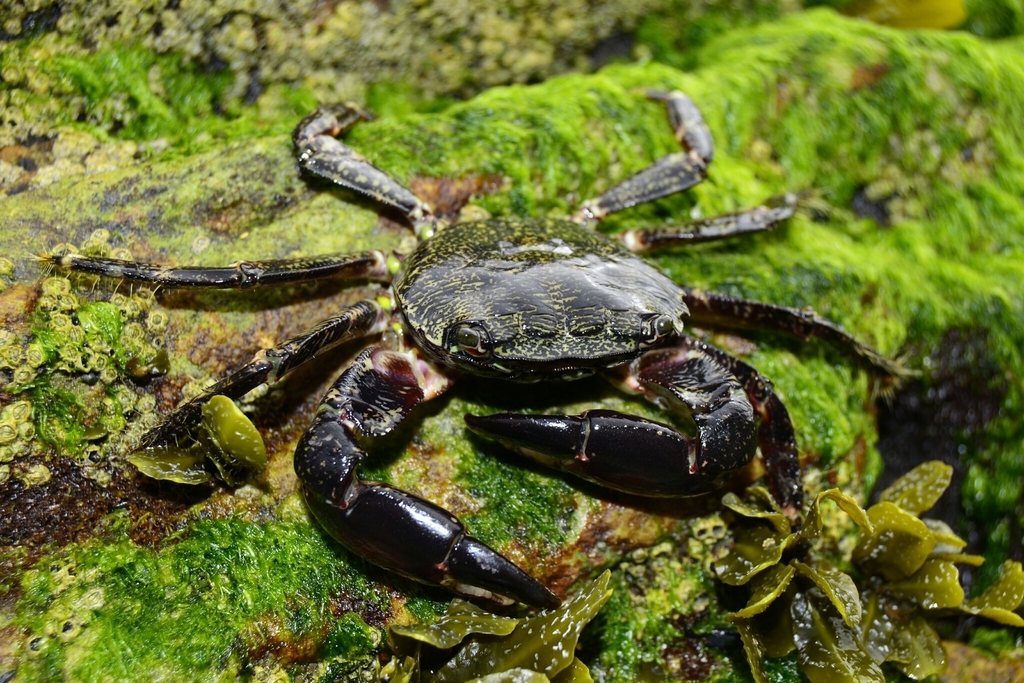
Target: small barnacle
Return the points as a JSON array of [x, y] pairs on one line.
[[62, 248], [10, 355], [96, 362], [145, 297], [149, 420], [60, 322], [47, 302], [6, 267], [95, 248], [146, 403], [8, 432], [27, 431], [133, 331], [125, 397], [67, 302], [76, 335], [108, 375], [100, 235], [21, 411], [98, 345], [56, 286], [24, 374], [121, 254], [35, 355], [118, 299], [156, 320], [19, 448], [70, 629], [71, 359], [132, 307], [35, 475]]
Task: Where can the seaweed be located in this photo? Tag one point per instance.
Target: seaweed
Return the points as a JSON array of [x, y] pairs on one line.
[[800, 600], [536, 649]]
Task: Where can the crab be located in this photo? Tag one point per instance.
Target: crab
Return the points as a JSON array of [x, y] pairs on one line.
[[517, 299]]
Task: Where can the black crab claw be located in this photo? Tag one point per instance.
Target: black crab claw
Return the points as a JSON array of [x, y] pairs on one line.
[[424, 542], [395, 529], [615, 450]]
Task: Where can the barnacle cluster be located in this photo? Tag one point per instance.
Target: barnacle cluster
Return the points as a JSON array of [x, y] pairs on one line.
[[332, 49], [76, 379], [70, 152], [803, 599], [538, 648]]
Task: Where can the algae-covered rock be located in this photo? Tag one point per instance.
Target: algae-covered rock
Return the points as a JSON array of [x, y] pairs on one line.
[[909, 144], [150, 66]]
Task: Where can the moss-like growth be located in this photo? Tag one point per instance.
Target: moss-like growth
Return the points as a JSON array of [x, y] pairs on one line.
[[226, 595]]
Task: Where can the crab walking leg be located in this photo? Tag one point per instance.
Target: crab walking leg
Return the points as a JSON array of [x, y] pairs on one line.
[[387, 526], [322, 154], [718, 309], [372, 265], [759, 218], [362, 319], [635, 455], [668, 175], [657, 372]]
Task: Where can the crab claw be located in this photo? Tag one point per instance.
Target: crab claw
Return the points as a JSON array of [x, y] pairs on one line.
[[472, 566], [415, 538], [615, 450]]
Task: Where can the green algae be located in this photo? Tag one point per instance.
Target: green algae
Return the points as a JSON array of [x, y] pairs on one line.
[[655, 624], [201, 607]]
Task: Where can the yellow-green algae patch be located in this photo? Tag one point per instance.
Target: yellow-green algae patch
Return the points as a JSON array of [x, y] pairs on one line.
[[814, 102]]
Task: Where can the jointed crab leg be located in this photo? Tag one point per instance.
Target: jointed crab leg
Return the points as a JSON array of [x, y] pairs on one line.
[[718, 309], [759, 218], [668, 175], [321, 153], [389, 527], [638, 456], [238, 275], [269, 365]]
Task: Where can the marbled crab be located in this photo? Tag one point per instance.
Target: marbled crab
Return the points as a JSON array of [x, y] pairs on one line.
[[524, 300]]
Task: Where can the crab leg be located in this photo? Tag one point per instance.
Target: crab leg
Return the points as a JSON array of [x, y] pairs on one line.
[[321, 153], [668, 175], [362, 319], [656, 371], [718, 309], [387, 526], [635, 455], [239, 275], [759, 218]]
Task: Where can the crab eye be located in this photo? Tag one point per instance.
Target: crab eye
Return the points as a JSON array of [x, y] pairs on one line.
[[473, 339], [656, 326]]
